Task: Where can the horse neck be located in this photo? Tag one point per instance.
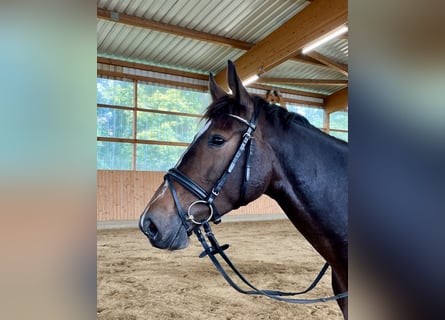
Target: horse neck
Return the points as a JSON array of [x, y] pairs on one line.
[[310, 185]]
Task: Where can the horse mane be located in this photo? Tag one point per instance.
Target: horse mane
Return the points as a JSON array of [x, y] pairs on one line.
[[280, 116], [218, 110], [277, 116]]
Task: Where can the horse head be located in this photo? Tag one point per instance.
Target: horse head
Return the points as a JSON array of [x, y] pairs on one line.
[[226, 165]]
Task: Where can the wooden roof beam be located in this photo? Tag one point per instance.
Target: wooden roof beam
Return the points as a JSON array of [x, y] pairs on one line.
[[342, 68], [287, 90], [309, 24], [146, 67], [135, 65], [292, 81], [307, 60], [172, 29]]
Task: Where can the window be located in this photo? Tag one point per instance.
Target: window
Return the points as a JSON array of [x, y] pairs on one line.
[[157, 157], [114, 155], [314, 115], [114, 123], [145, 127], [338, 124], [115, 92]]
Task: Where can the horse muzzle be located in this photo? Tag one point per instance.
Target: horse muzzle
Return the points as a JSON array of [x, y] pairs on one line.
[[169, 235]]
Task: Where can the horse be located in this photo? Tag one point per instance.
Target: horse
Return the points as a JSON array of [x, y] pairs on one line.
[[247, 148]]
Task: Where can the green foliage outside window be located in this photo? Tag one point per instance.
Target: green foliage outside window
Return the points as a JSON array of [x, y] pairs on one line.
[[114, 123], [153, 126], [153, 136], [114, 155], [115, 92], [157, 157], [166, 127], [339, 121], [171, 99], [314, 115], [339, 135]]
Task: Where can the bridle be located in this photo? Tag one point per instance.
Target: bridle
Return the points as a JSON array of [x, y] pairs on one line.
[[192, 225], [208, 198]]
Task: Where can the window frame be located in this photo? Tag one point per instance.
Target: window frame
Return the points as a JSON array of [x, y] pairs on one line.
[[136, 110]]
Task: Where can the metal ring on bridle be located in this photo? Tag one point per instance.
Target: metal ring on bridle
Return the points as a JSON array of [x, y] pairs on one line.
[[191, 218]]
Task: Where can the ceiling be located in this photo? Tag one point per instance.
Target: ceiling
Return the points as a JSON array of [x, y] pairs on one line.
[[262, 37]]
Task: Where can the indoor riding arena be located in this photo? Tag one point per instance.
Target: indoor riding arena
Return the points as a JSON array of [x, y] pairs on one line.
[[153, 64]]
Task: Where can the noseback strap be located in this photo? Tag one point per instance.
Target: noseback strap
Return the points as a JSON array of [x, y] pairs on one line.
[[188, 227], [187, 183]]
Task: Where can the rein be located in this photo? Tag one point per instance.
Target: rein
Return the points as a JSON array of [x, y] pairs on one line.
[[215, 248], [192, 225]]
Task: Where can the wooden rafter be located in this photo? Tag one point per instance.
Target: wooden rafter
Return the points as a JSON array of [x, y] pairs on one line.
[[321, 62], [172, 29], [118, 75], [140, 66], [147, 67], [318, 82], [307, 60], [342, 68], [289, 91], [285, 42]]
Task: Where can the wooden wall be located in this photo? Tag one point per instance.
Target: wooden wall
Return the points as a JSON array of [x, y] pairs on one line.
[[123, 195]]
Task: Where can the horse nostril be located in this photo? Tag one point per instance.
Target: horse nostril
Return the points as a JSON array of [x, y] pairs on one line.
[[151, 229], [147, 227]]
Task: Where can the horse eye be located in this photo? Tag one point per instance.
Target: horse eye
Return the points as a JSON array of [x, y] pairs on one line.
[[216, 141]]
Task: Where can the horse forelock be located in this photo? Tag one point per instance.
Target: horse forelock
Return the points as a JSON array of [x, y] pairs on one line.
[[218, 112]]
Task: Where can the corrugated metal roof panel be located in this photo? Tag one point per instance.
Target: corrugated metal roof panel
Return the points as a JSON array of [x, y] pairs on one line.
[[238, 19], [295, 70], [150, 46], [298, 70], [336, 50], [244, 20]]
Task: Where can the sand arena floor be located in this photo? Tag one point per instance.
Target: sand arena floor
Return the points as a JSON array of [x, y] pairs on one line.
[[137, 281]]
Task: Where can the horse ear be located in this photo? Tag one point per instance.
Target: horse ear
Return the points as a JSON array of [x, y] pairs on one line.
[[215, 90], [237, 87]]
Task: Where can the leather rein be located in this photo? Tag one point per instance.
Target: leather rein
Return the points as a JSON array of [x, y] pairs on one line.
[[192, 225]]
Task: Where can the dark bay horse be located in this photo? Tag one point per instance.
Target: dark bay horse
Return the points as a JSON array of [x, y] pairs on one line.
[[282, 155]]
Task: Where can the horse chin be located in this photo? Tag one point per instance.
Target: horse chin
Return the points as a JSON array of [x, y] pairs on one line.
[[178, 241]]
